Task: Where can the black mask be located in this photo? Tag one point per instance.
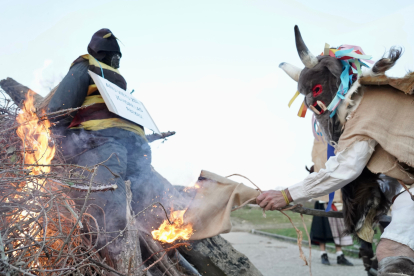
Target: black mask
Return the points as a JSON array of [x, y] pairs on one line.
[[112, 59], [115, 60]]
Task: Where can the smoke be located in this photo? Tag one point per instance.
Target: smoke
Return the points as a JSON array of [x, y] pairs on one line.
[[45, 78], [124, 156]]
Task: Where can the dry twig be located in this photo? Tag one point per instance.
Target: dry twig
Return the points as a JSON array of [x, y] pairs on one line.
[[42, 230]]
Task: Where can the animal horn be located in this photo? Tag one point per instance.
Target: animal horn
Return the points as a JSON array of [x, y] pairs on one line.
[[308, 59], [291, 70]]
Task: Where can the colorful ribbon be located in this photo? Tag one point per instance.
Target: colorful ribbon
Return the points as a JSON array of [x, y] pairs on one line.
[[350, 57], [357, 49], [317, 134], [302, 110], [293, 98], [330, 153], [100, 66]]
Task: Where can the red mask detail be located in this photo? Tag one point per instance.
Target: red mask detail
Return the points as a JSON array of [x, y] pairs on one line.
[[317, 90], [318, 108]]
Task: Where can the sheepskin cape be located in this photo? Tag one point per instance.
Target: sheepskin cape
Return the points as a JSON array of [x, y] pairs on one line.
[[385, 114]]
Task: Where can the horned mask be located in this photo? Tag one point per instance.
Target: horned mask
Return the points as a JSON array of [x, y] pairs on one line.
[[318, 81]]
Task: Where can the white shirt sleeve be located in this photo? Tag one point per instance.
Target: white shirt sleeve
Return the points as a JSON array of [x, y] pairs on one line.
[[340, 170]]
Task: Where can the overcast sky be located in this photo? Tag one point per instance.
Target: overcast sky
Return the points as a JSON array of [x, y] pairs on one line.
[[207, 70]]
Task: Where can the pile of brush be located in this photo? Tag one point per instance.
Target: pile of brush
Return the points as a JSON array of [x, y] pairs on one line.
[[44, 232], [40, 227]]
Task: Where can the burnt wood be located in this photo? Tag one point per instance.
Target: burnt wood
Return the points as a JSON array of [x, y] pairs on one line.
[[17, 91]]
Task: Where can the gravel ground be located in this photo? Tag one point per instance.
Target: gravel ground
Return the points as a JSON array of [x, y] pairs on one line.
[[273, 257]]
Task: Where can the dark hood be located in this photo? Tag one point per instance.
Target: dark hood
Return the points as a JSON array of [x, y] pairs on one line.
[[102, 42]]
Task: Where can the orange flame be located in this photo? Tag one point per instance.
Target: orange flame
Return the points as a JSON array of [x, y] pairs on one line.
[[35, 134], [38, 148], [171, 232], [188, 188]]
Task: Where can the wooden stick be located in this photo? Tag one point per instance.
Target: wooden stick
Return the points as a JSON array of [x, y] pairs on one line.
[[156, 136], [321, 213], [129, 259], [103, 188], [313, 212]]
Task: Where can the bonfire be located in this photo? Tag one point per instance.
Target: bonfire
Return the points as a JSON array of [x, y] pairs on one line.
[[43, 231]]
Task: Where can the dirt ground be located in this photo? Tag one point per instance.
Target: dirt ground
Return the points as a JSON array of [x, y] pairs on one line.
[[273, 257]]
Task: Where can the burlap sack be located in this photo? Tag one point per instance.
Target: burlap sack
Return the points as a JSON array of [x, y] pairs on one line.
[[319, 158], [385, 114], [209, 211]]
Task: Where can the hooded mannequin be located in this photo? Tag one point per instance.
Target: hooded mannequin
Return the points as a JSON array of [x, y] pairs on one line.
[[102, 43], [94, 135], [103, 59], [104, 47]]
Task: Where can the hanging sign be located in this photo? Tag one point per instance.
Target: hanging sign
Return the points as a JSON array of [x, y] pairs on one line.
[[123, 104]]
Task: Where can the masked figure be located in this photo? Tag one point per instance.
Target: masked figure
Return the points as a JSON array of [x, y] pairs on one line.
[[366, 117], [95, 135]]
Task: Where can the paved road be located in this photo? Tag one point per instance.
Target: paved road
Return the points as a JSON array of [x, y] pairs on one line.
[[273, 257]]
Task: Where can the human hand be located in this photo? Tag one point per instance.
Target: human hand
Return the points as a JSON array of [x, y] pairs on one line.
[[271, 200]]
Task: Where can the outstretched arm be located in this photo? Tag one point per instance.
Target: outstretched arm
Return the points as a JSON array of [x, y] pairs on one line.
[[72, 90], [340, 170]]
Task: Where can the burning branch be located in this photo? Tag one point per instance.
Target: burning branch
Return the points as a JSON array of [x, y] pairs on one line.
[[163, 255], [39, 224], [169, 232]]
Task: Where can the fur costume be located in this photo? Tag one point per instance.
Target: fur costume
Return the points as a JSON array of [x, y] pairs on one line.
[[374, 107], [401, 266]]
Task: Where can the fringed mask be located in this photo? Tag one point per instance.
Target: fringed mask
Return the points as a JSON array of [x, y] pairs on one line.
[[324, 81]]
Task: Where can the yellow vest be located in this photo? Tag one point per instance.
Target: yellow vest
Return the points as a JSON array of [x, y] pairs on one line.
[[104, 123]]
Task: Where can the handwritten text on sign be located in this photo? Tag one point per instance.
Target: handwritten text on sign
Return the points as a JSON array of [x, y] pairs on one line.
[[123, 104]]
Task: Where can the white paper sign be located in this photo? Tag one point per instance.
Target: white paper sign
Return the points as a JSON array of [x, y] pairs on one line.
[[123, 104]]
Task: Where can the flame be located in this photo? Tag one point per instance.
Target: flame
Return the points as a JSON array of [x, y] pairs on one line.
[[35, 134], [38, 150], [188, 188], [170, 232]]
